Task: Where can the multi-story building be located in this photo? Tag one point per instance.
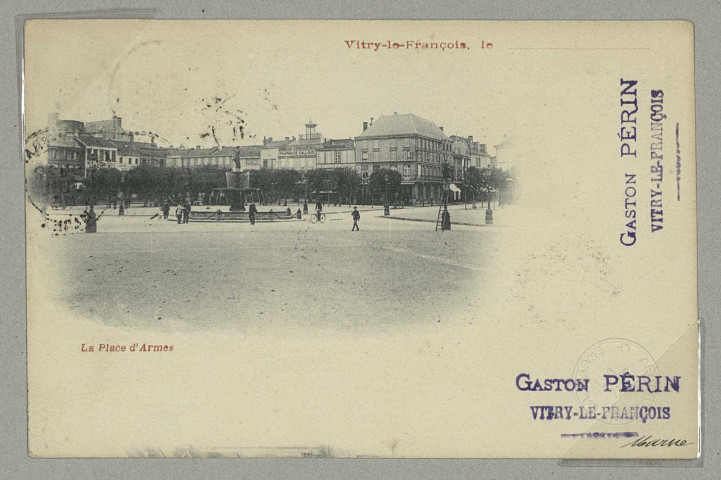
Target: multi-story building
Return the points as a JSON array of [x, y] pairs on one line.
[[248, 156], [128, 155], [223, 157], [189, 157], [64, 151], [461, 158], [293, 153], [479, 154], [81, 147], [132, 154], [99, 152], [337, 154], [413, 146]]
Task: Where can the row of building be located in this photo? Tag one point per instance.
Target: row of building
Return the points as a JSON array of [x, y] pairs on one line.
[[411, 145]]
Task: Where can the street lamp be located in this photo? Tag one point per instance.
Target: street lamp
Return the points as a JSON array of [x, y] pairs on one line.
[[121, 195], [489, 212], [387, 207]]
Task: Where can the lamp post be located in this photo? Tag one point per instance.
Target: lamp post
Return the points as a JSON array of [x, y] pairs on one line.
[[387, 207], [446, 219], [489, 212], [121, 195], [305, 194]]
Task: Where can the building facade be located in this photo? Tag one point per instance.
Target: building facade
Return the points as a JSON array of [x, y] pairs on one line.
[[293, 153], [411, 145], [337, 154]]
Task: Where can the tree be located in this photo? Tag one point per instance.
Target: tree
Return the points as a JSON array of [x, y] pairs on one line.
[[144, 181], [474, 182], [318, 179], [103, 183], [347, 181], [262, 179], [204, 179], [286, 180], [377, 183]]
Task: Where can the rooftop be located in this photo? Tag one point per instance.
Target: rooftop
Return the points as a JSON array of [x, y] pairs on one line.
[[90, 141], [399, 125]]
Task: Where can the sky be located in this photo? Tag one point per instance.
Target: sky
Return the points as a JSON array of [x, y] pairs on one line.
[[186, 82]]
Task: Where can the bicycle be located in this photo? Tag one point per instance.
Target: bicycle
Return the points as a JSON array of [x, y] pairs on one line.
[[317, 218]]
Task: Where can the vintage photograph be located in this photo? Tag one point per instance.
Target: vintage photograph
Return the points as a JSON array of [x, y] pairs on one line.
[[360, 239], [231, 232]]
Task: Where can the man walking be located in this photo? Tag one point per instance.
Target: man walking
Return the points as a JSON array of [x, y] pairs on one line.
[[356, 217]]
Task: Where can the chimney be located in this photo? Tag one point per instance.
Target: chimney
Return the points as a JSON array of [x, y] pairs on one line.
[[117, 121], [365, 126], [470, 138], [152, 140], [197, 147], [441, 128]]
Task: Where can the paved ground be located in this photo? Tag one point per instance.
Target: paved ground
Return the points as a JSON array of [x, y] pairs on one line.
[[139, 270]]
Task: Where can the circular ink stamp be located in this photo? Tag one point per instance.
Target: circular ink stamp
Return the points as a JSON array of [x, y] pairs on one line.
[[623, 382]]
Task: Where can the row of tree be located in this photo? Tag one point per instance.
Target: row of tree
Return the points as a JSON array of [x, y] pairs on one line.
[[153, 185]]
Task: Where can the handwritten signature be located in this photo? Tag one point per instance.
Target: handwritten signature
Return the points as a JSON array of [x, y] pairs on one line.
[[649, 441]]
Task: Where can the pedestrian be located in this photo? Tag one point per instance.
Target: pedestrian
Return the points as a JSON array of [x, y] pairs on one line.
[[166, 210], [356, 217], [318, 208], [179, 213], [91, 221], [186, 212], [446, 220], [251, 213]]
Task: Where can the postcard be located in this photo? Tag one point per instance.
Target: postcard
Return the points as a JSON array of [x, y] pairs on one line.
[[401, 239]]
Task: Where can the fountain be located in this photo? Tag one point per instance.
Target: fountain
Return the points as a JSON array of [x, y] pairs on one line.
[[237, 194]]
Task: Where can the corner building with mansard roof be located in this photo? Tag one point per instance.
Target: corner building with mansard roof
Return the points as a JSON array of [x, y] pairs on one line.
[[415, 147]]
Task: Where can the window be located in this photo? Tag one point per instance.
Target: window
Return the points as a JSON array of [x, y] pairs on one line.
[[336, 156], [407, 170], [376, 144], [407, 142], [364, 156], [409, 155], [121, 159], [394, 154], [393, 143]]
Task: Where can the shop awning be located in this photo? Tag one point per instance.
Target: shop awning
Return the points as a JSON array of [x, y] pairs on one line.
[[454, 188]]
